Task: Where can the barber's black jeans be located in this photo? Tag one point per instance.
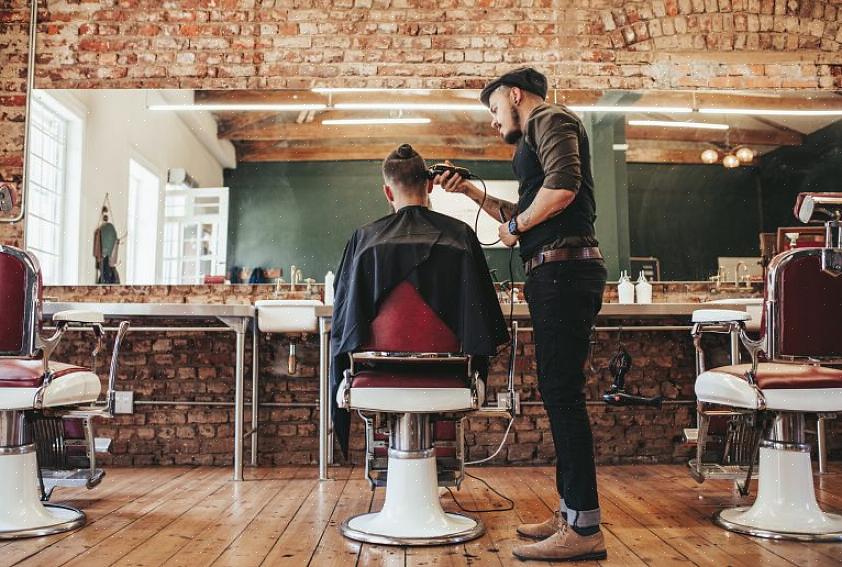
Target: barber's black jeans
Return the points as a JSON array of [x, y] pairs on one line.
[[564, 299]]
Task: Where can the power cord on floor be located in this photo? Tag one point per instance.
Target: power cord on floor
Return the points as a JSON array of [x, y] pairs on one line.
[[511, 505]]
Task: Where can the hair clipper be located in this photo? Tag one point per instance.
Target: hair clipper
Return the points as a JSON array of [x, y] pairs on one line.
[[439, 168]]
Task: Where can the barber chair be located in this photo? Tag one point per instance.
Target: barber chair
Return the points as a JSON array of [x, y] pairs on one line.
[[412, 383], [46, 408], [766, 401]]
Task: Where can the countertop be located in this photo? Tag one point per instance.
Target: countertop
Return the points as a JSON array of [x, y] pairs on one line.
[[164, 310], [632, 310]]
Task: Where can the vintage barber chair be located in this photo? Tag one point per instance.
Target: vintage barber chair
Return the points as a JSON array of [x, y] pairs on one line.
[[46, 408], [766, 401], [412, 382]]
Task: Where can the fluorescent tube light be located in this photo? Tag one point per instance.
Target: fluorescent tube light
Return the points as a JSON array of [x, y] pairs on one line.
[[770, 112], [627, 108], [358, 121], [671, 124], [329, 90], [225, 107], [408, 106]]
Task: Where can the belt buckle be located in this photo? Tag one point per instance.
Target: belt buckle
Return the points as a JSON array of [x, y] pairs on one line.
[[540, 257]]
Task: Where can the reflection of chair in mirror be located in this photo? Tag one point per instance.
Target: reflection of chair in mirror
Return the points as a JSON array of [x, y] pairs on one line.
[[46, 408], [765, 402], [413, 382]]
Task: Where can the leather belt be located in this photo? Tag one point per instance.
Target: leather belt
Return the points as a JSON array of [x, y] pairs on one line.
[[561, 255]]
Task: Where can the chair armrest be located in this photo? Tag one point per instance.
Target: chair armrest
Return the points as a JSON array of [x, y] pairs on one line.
[[79, 316]]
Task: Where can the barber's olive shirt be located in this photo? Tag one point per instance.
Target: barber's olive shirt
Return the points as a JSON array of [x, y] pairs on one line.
[[555, 153]]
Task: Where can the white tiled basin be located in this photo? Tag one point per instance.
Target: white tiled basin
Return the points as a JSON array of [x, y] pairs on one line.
[[287, 315]]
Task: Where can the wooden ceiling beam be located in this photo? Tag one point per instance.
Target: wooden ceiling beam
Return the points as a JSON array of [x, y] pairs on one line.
[[734, 136], [662, 155], [318, 131], [269, 151]]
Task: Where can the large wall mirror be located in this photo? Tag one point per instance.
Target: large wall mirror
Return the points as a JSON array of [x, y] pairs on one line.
[[179, 187]]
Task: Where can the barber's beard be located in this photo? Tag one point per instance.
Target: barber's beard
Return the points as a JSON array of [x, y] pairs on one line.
[[514, 135]]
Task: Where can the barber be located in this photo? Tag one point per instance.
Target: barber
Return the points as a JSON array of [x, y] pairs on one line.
[[553, 222]]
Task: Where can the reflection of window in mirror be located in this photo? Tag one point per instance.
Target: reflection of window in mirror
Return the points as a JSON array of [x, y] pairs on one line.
[[142, 227], [54, 173], [195, 234]]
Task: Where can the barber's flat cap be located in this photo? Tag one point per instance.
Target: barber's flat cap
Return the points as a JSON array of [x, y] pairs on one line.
[[526, 78]]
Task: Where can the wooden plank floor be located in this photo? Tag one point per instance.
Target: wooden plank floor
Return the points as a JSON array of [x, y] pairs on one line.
[[652, 515]]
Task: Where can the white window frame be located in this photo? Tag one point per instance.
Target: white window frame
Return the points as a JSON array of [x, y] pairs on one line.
[[191, 217], [456, 206], [129, 251], [68, 189]]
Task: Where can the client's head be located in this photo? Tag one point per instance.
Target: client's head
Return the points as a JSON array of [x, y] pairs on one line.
[[405, 178]]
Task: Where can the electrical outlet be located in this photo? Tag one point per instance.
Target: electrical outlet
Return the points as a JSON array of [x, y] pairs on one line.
[[124, 402], [503, 401]]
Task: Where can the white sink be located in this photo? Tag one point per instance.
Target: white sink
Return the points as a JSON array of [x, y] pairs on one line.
[[754, 307], [287, 315]]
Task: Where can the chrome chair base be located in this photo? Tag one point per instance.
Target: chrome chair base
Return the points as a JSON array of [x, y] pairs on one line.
[[67, 518], [726, 519], [352, 528]]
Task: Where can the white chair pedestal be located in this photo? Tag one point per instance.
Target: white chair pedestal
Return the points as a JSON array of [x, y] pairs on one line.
[[785, 507], [22, 513], [412, 513]]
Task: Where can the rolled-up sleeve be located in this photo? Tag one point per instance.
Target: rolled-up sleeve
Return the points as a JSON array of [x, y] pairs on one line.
[[556, 141]]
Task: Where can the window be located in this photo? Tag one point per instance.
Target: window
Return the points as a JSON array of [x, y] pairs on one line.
[[456, 206], [47, 171], [195, 234], [53, 164], [142, 224]]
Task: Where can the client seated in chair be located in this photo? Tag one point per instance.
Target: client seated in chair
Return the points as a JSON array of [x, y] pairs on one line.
[[766, 400], [416, 318], [41, 401]]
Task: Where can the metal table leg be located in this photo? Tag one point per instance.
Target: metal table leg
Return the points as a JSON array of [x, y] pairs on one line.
[[324, 399], [239, 325], [822, 449], [255, 395]]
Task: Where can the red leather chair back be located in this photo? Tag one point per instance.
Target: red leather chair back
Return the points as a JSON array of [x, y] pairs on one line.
[[405, 323], [20, 289], [808, 319]]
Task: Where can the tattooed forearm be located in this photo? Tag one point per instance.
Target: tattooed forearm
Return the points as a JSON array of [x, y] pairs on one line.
[[498, 208]]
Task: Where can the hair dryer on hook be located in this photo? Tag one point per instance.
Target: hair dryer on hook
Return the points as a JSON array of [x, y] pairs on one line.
[[618, 366]]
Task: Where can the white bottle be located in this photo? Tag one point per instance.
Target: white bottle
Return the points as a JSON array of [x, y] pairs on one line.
[[643, 289], [329, 288], [625, 289]]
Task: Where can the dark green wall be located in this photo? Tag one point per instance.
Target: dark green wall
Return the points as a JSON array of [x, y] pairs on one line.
[[303, 213], [816, 165], [688, 215]]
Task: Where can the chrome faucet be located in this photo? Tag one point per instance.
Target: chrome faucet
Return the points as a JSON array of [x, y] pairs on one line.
[[295, 275], [739, 269], [278, 283], [311, 291]]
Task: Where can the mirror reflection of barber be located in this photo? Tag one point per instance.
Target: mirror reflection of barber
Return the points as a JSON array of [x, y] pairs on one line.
[[553, 224]]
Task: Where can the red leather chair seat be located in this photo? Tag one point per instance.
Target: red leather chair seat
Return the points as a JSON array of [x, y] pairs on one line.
[[774, 376], [455, 378], [22, 373]]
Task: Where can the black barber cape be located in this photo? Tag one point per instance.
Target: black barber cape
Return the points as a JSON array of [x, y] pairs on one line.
[[442, 258]]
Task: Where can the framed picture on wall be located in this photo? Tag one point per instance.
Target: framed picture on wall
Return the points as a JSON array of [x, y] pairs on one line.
[[460, 207]]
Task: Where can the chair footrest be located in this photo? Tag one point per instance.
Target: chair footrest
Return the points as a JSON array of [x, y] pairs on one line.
[[72, 478], [716, 471]]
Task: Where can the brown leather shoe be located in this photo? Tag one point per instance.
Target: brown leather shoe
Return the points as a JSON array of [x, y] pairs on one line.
[[543, 530], [564, 545]]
